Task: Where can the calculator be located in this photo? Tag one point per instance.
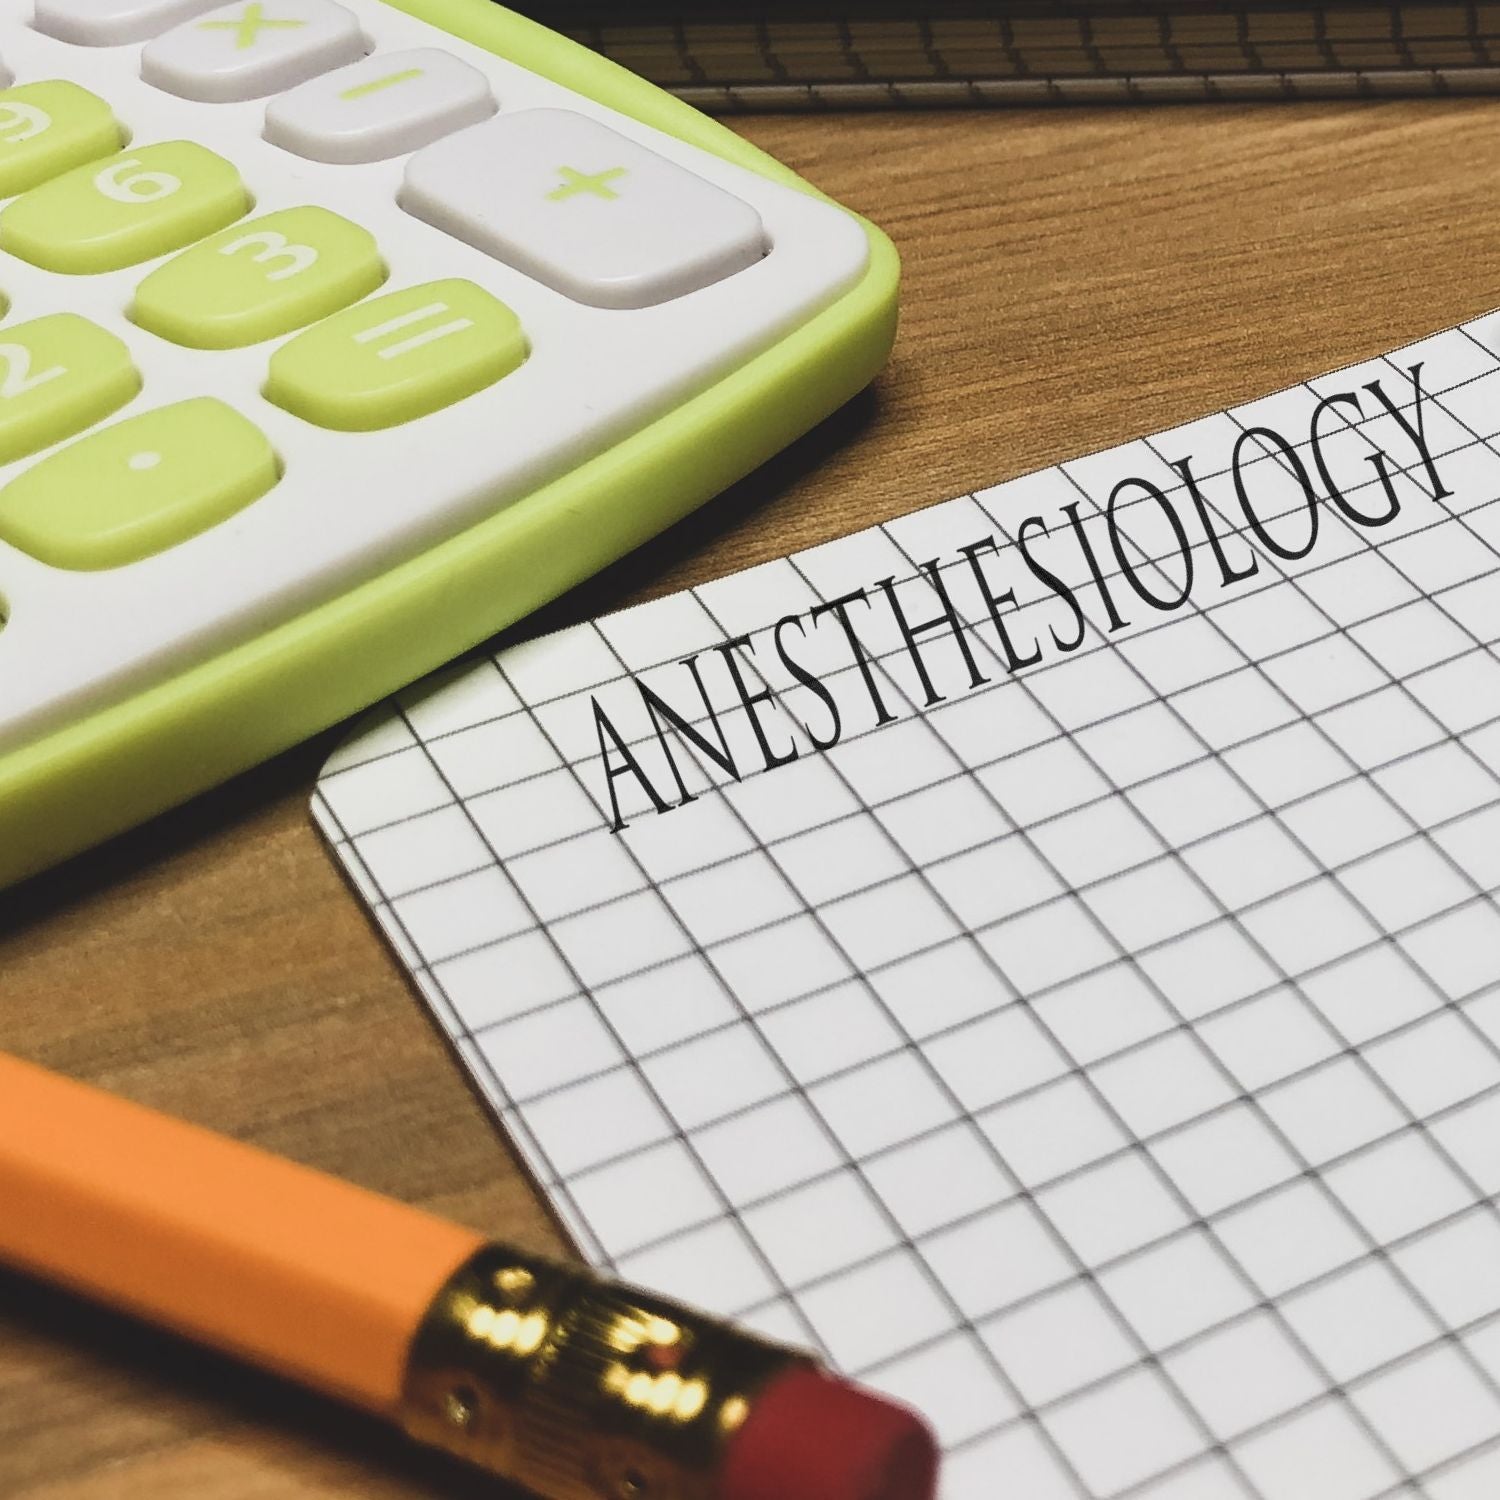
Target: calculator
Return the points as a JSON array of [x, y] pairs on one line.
[[339, 335]]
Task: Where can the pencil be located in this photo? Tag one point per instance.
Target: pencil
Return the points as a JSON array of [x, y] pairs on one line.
[[540, 1372]]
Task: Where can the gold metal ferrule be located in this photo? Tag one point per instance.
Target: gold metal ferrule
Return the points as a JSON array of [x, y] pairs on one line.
[[577, 1388]]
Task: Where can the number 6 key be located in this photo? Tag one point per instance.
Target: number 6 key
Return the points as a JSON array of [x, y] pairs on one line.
[[129, 208]]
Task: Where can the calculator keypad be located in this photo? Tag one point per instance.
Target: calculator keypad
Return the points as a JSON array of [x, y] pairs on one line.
[[399, 356], [142, 485], [125, 209], [108, 23], [45, 128], [251, 48], [380, 107], [58, 375], [259, 279], [243, 370], [582, 209]]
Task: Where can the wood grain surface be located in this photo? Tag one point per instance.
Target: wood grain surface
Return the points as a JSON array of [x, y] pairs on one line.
[[1074, 279]]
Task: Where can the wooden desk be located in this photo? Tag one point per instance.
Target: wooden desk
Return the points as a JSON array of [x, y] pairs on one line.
[[1073, 279]]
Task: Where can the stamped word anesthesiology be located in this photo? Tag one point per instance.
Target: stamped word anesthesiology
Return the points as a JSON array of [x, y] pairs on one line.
[[643, 730]]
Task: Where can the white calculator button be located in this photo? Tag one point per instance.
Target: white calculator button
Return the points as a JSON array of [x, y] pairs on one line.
[[582, 209], [107, 23], [379, 107], [251, 48]]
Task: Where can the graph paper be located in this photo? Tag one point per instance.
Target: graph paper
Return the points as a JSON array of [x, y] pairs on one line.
[[1104, 1060]]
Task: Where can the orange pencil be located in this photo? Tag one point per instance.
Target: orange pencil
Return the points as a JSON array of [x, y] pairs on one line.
[[542, 1373]]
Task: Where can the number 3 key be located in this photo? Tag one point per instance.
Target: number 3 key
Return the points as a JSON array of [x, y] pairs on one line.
[[258, 280]]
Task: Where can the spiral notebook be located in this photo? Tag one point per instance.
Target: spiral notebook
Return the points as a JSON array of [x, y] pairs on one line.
[[792, 54], [1041, 953]]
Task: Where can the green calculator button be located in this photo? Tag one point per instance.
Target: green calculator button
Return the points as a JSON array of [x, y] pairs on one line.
[[138, 487], [259, 280], [45, 128], [398, 357], [125, 209], [58, 375]]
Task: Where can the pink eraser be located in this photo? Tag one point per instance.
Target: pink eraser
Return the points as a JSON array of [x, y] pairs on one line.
[[811, 1436]]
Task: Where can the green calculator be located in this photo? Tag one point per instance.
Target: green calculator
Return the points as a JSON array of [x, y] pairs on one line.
[[340, 334]]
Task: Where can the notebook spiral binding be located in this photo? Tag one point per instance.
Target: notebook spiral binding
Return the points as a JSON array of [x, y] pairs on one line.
[[728, 58]]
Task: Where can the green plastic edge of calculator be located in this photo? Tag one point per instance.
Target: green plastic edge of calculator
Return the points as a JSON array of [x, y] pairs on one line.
[[134, 759]]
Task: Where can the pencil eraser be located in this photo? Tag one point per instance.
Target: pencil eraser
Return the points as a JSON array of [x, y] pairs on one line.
[[812, 1436]]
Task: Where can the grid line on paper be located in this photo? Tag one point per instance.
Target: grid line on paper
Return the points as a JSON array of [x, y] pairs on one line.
[[1163, 1177], [1483, 541], [1448, 737], [1264, 1194], [459, 1033], [1355, 698], [1373, 617], [1479, 1370], [908, 1048], [899, 1237], [1117, 1092], [1304, 1166], [1109, 575], [1080, 1268], [1084, 887], [1039, 670], [1296, 1075], [542, 699], [683, 1137], [1400, 683], [1477, 1035], [1344, 1050]]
